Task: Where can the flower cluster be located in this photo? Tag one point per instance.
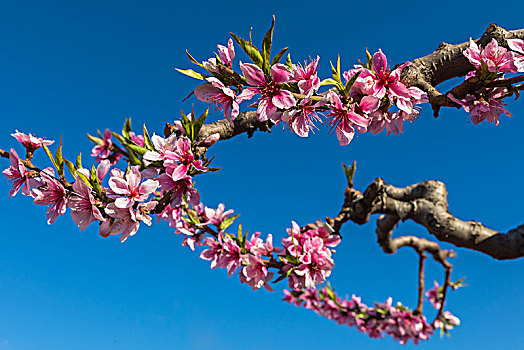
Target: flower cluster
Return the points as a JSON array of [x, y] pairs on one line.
[[289, 93], [491, 63], [165, 169], [159, 180], [383, 319]]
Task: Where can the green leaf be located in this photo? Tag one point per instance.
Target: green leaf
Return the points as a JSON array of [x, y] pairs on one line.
[[84, 178], [266, 46], [59, 159], [127, 128], [191, 73], [228, 222], [133, 158], [147, 140], [369, 58], [50, 155], [199, 123], [94, 139], [71, 167], [289, 64], [119, 138], [250, 49], [193, 60], [328, 81], [79, 161], [279, 55], [94, 180], [350, 172], [135, 148]]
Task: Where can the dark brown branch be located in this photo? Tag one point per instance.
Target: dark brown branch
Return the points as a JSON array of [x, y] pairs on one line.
[[426, 204], [420, 299]]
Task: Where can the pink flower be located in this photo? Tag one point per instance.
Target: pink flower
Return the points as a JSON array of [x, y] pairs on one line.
[[434, 296], [255, 273], [125, 222], [184, 155], [143, 210], [273, 97], [52, 194], [226, 54], [164, 148], [18, 174], [103, 149], [216, 217], [138, 139], [127, 190], [83, 205], [301, 119], [316, 263], [518, 56], [448, 321], [381, 80], [215, 92], [487, 106], [496, 57], [171, 181], [345, 118], [214, 251], [30, 142], [306, 77]]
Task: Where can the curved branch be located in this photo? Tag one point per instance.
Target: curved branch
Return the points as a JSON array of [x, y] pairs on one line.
[[426, 204], [447, 62]]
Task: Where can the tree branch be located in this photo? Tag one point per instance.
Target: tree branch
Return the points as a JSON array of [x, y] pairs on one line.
[[426, 204], [447, 62]]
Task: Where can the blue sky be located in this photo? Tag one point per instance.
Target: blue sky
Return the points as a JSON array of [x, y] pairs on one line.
[[68, 68]]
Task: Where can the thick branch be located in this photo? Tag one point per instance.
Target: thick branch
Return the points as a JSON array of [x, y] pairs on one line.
[[426, 204], [447, 62]]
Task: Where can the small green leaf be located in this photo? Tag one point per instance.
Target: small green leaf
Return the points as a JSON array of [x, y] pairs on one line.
[[127, 129], [199, 123], [94, 139], [250, 49], [50, 155], [59, 159], [94, 180], [289, 64], [266, 46], [369, 59], [328, 81], [191, 73], [350, 172], [228, 222], [133, 158], [119, 137], [84, 178], [70, 167], [147, 140], [79, 161], [193, 60], [279, 55], [135, 148]]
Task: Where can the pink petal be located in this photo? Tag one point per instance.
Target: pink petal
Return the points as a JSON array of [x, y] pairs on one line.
[[369, 104], [379, 62], [279, 73], [254, 75], [206, 92], [284, 99]]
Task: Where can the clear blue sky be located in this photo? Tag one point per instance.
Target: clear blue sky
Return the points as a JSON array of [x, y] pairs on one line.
[[68, 68]]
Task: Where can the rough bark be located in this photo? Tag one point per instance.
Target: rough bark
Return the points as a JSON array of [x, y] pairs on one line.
[[426, 204], [447, 62]]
